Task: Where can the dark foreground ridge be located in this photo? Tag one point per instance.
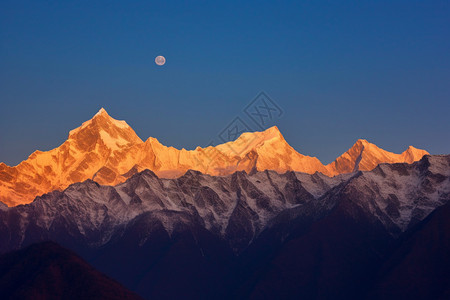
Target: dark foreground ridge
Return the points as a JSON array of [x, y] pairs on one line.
[[48, 271]]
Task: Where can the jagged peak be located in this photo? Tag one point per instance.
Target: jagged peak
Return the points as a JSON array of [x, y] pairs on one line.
[[153, 140], [363, 145], [102, 114], [412, 154], [88, 183], [147, 172], [364, 155], [362, 141], [140, 174], [273, 130], [109, 129], [102, 111], [414, 149], [248, 141], [371, 146], [192, 173], [269, 133]]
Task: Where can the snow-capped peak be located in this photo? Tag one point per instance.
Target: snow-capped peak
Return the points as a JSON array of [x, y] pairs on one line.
[[103, 126], [102, 111]]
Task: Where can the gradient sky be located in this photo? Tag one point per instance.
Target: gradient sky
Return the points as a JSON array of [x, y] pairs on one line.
[[378, 70]]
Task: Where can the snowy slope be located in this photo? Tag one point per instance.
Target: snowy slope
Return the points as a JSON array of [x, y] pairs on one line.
[[236, 207]]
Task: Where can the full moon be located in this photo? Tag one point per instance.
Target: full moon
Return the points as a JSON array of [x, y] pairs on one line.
[[160, 60]]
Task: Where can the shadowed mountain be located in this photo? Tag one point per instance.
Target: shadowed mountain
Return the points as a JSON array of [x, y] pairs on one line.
[[108, 151], [48, 271], [419, 268], [333, 249]]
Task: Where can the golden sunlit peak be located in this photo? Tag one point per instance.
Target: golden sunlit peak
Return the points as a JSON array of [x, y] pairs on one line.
[[414, 148], [273, 130], [102, 111], [362, 141]]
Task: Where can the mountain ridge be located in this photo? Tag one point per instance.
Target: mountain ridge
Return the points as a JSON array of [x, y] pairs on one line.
[[397, 195], [109, 151], [199, 236]]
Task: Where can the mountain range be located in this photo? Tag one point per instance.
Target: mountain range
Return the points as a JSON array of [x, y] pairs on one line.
[[248, 219], [108, 151], [259, 235]]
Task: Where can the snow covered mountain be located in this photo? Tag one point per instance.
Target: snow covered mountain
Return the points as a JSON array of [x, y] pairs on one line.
[[108, 151], [366, 156], [367, 238], [235, 207], [239, 232], [94, 213]]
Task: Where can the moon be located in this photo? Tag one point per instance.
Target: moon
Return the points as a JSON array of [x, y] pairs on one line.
[[160, 60]]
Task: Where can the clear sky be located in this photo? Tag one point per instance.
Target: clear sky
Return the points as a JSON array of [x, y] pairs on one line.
[[378, 70]]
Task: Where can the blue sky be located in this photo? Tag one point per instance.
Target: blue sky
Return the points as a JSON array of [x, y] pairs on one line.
[[340, 70]]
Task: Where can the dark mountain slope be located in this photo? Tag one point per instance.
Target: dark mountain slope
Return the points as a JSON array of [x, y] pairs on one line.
[[333, 248], [189, 262], [332, 255], [48, 271], [419, 268]]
